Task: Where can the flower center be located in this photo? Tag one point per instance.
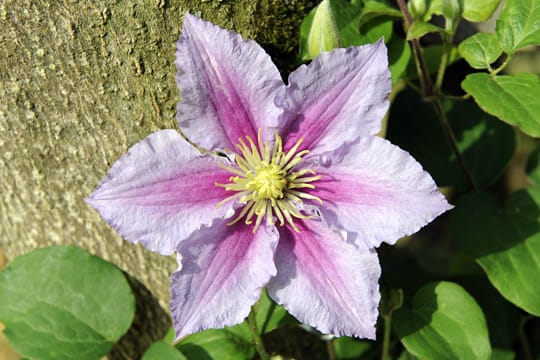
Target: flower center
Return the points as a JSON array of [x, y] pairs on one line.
[[270, 182]]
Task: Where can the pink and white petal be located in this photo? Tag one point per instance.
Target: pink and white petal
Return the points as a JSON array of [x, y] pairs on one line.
[[161, 191], [376, 192], [325, 282], [223, 270], [228, 86], [339, 97]]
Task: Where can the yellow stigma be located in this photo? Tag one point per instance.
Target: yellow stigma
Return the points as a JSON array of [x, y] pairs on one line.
[[269, 182]]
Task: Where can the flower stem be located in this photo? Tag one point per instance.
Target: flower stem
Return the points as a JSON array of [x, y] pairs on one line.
[[331, 349], [257, 339], [386, 336], [447, 46]]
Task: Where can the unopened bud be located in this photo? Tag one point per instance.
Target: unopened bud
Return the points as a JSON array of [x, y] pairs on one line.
[[324, 34], [417, 8], [451, 10]]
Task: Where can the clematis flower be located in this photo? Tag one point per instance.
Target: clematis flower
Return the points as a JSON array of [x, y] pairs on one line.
[[292, 192]]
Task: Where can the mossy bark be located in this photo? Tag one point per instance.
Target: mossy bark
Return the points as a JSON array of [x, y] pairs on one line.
[[80, 82]]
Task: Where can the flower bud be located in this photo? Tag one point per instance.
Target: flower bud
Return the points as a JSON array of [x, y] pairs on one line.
[[451, 8], [417, 8], [324, 34]]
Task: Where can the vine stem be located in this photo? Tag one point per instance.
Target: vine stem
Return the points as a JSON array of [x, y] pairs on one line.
[[434, 96], [421, 67], [453, 142], [386, 336], [257, 339]]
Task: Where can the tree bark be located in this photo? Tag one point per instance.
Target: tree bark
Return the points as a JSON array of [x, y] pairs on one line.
[[80, 82]]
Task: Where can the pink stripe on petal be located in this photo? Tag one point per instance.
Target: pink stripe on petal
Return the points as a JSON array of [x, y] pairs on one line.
[[223, 270], [376, 192], [325, 282], [339, 97], [161, 191], [227, 84]]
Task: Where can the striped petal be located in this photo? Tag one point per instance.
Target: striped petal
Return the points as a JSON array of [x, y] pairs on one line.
[[228, 86], [339, 97], [223, 270], [160, 192], [376, 192], [325, 282]]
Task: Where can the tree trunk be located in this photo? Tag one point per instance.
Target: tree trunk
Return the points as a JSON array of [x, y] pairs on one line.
[[80, 82]]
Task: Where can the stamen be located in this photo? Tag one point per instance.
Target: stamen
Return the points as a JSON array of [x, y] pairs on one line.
[[292, 151], [263, 180], [245, 209]]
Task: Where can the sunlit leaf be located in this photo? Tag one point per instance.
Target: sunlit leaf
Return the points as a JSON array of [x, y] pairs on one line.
[[504, 241], [519, 24], [503, 318], [444, 322], [229, 343], [162, 351], [270, 315], [420, 28], [399, 55], [480, 50], [479, 10], [513, 99], [348, 348], [61, 302]]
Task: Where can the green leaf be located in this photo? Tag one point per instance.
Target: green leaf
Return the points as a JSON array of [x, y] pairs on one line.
[[502, 354], [503, 318], [399, 55], [374, 30], [373, 9], [479, 10], [420, 28], [480, 50], [61, 302], [162, 351], [444, 322], [504, 242], [405, 355], [533, 167], [229, 343], [269, 315], [486, 144], [348, 348], [519, 24], [513, 99]]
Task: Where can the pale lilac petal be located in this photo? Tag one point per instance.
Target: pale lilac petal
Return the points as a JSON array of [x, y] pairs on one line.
[[227, 86], [339, 97], [161, 191], [376, 192], [325, 282], [223, 270]]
